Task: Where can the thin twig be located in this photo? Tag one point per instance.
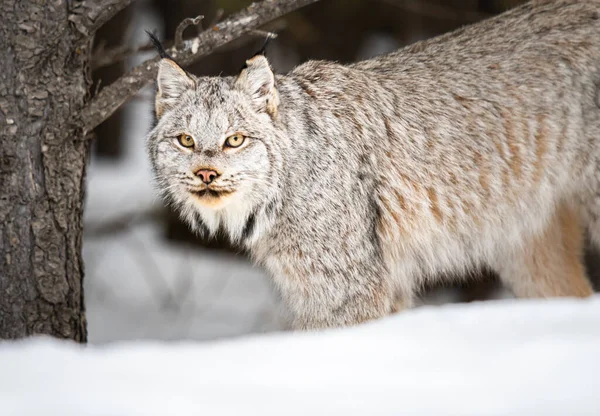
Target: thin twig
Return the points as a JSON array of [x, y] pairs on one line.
[[122, 223], [184, 25], [153, 276], [103, 57], [98, 85], [112, 97]]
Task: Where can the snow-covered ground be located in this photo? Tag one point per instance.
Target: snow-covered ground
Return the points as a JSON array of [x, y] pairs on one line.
[[494, 358]]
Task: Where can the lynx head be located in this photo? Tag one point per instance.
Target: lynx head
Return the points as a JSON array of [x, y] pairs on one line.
[[215, 148]]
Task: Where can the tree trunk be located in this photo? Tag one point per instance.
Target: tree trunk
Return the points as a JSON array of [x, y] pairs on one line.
[[43, 84]]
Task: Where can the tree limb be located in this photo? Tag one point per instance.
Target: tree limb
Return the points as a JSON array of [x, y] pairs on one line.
[[196, 21], [90, 15], [103, 57], [112, 97], [122, 223]]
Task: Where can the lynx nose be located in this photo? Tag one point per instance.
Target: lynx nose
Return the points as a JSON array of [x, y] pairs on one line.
[[207, 175]]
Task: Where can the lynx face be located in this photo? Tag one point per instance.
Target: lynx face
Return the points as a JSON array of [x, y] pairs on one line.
[[212, 148]]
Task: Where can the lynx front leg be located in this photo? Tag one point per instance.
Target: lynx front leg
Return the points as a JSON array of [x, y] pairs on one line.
[[550, 264], [338, 300], [352, 310]]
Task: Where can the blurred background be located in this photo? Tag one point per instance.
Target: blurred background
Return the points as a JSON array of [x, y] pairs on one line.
[[146, 275]]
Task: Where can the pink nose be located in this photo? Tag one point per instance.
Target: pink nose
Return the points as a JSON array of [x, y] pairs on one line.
[[207, 175]]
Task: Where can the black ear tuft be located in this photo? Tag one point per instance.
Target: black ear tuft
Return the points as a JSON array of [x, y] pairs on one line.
[[263, 50], [159, 46]]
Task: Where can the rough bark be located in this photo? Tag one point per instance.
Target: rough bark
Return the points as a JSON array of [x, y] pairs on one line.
[[90, 15], [43, 82]]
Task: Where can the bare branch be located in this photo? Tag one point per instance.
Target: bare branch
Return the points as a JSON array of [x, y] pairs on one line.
[[116, 94], [108, 56], [90, 15], [103, 56], [436, 11], [184, 25], [122, 223]]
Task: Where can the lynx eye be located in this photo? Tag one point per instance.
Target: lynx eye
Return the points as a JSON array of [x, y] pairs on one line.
[[186, 140], [235, 141]]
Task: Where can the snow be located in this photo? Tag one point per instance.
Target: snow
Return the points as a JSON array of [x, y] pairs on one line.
[[492, 358]]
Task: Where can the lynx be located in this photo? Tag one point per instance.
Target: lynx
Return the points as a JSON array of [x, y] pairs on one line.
[[354, 185]]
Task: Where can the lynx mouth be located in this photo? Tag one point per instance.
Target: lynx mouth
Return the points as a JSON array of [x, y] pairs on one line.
[[212, 198], [211, 193]]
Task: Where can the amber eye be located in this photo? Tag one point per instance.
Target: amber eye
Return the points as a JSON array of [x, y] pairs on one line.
[[235, 141], [186, 140]]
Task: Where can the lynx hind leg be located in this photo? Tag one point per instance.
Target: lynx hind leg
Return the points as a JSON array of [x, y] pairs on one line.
[[549, 264]]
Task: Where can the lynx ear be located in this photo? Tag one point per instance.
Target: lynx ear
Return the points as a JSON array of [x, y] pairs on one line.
[[257, 80], [172, 81]]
